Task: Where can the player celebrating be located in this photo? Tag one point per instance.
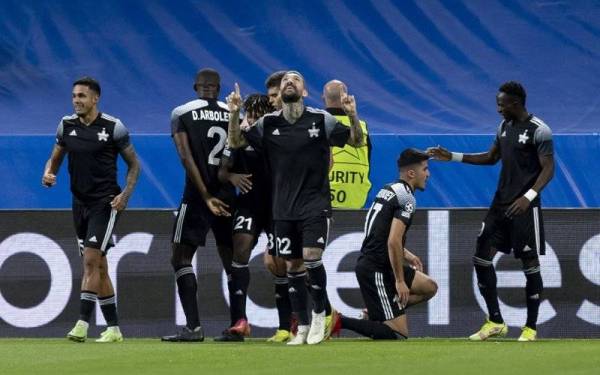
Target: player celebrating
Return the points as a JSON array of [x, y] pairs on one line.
[[199, 131], [296, 143], [93, 141], [245, 169], [514, 221], [390, 276]]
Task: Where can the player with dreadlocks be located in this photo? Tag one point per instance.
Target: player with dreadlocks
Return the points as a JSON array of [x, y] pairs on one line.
[[245, 169]]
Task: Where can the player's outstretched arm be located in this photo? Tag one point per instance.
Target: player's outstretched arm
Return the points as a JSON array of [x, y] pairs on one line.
[[53, 165], [234, 132], [396, 254], [216, 206], [490, 157], [133, 172], [349, 104]]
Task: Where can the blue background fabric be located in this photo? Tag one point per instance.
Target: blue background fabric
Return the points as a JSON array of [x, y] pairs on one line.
[[423, 73], [415, 66], [450, 185]]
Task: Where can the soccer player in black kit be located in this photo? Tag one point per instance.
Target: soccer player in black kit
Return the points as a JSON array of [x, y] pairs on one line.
[[199, 130], [296, 142], [245, 169], [93, 141], [514, 221], [391, 277]]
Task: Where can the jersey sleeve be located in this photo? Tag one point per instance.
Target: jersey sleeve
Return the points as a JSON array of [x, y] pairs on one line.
[[405, 205], [177, 126], [543, 140], [498, 134], [254, 134], [337, 133], [59, 134], [121, 136]]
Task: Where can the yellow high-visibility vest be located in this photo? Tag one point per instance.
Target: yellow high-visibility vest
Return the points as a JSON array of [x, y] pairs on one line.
[[349, 176]]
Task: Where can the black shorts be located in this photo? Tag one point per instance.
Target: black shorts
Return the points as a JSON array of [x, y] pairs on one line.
[[378, 289], [291, 236], [94, 225], [193, 222], [250, 220], [523, 234]]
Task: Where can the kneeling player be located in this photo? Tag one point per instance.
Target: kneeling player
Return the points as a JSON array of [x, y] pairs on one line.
[[387, 283]]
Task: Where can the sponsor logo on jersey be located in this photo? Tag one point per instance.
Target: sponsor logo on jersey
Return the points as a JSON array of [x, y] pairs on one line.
[[503, 134], [523, 137], [103, 135], [527, 248], [313, 132], [275, 132], [73, 133]]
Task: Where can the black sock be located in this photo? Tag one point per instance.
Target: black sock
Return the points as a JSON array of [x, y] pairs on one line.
[[298, 295], [486, 279], [533, 290], [282, 301], [240, 279], [318, 283], [86, 307], [109, 310], [372, 329], [230, 290], [327, 304], [188, 287]]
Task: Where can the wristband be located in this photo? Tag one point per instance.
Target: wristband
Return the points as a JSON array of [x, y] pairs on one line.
[[457, 156], [531, 194]]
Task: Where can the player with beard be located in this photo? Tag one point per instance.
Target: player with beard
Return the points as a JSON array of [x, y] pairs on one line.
[[295, 142]]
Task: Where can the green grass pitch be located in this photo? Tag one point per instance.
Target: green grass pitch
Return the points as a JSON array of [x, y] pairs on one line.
[[337, 356]]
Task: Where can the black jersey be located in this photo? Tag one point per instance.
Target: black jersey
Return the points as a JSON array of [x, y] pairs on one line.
[[520, 144], [394, 200], [92, 152], [205, 121], [247, 160], [298, 160]]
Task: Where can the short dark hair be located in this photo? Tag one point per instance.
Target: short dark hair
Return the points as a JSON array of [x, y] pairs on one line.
[[411, 156], [91, 83], [514, 88], [208, 72], [258, 104], [274, 80]]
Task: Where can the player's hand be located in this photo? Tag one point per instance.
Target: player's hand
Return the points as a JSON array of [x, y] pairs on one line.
[[348, 103], [244, 124], [518, 207], [217, 206], [234, 100], [403, 293], [415, 263], [48, 179], [241, 181], [119, 202], [439, 153]]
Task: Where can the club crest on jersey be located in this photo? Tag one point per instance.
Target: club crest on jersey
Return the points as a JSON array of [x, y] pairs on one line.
[[313, 132], [103, 135], [523, 137]]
